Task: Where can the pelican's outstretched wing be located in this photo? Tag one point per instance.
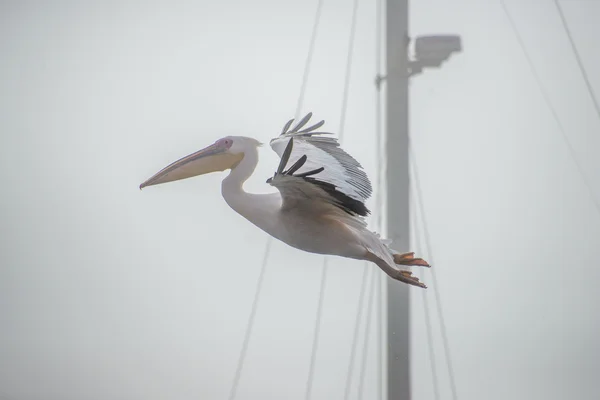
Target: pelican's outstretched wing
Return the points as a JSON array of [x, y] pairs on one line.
[[307, 190], [339, 175]]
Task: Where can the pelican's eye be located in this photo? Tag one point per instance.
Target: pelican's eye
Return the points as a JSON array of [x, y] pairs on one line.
[[226, 143]]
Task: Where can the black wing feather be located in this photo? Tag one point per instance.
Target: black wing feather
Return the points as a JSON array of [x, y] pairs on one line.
[[285, 157], [308, 173], [297, 165]]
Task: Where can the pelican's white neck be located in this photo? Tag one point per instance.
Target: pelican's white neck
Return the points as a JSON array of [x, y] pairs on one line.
[[232, 187], [239, 174], [256, 208]]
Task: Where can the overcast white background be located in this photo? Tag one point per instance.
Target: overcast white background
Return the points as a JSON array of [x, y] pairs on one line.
[[107, 292]]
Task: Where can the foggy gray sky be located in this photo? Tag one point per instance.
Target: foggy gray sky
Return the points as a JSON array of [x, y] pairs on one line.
[[107, 292]]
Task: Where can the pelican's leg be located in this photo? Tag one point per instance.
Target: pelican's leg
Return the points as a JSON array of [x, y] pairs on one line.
[[409, 259], [399, 275]]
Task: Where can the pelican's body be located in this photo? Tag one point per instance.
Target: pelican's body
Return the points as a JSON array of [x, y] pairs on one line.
[[298, 227], [319, 206]]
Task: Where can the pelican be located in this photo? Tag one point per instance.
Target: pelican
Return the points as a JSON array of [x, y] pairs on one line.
[[320, 203]]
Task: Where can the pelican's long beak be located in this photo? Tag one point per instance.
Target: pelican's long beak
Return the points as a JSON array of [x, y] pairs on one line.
[[211, 159]]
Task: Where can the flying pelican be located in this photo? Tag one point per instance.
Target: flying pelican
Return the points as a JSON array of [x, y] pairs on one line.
[[320, 203]]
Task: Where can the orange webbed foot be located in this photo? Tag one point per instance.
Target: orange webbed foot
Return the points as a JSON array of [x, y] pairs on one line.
[[409, 259], [407, 277]]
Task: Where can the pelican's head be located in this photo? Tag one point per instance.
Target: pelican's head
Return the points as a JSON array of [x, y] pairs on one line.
[[225, 153]]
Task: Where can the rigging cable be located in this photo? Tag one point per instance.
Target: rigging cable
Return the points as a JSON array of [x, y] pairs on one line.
[[379, 195], [250, 324], [363, 282], [242, 358], [311, 48], [363, 364], [315, 345], [438, 301], [426, 253], [325, 265], [376, 280], [584, 177], [578, 57], [356, 330], [316, 334], [348, 70]]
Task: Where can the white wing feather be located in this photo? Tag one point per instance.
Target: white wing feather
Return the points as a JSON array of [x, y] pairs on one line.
[[341, 169]]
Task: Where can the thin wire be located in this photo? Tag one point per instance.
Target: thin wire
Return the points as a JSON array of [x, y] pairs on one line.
[[311, 49], [551, 107], [379, 226], [354, 345], [380, 301], [261, 276], [313, 354], [378, 131], [324, 272], [348, 70], [365, 349], [427, 315], [242, 358], [359, 311], [438, 299], [363, 283], [375, 279], [379, 194], [578, 58]]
